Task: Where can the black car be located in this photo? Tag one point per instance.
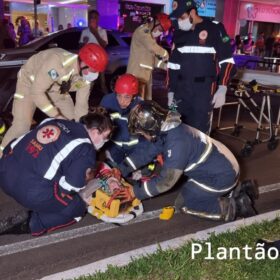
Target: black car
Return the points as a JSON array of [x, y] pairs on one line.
[[12, 59]]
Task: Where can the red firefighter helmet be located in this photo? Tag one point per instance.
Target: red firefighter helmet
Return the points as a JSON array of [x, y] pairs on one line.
[[164, 21], [94, 56], [126, 84]]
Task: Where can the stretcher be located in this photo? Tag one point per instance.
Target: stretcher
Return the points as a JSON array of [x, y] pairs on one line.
[[245, 88], [103, 196]]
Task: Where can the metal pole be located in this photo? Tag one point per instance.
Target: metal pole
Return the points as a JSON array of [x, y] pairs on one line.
[[35, 18]]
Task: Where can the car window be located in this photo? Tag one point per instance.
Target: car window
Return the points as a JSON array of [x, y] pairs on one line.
[[67, 41], [112, 42]]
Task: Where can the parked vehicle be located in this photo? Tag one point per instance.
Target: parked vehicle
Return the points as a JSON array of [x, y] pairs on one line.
[[12, 59]]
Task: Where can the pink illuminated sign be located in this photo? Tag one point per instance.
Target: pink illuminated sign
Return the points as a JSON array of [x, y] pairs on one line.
[[259, 12]]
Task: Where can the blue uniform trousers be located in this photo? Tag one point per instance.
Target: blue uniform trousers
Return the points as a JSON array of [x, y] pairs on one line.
[[50, 208], [194, 101]]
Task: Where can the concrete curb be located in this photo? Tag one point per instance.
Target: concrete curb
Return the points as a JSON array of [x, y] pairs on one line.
[[125, 258]]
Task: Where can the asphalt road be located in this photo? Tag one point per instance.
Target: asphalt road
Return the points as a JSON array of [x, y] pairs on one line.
[[64, 250]]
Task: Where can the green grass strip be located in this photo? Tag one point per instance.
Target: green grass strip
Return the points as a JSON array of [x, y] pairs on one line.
[[179, 263]]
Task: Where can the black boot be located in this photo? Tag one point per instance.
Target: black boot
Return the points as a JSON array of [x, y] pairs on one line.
[[244, 206], [16, 224], [251, 189]]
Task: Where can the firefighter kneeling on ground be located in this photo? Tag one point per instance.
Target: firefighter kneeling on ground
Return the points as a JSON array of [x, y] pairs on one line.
[[45, 170], [144, 51], [211, 188], [45, 81]]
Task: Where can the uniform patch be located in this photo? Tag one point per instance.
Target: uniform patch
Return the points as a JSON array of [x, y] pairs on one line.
[[53, 74], [202, 37], [225, 39], [48, 134], [34, 148]]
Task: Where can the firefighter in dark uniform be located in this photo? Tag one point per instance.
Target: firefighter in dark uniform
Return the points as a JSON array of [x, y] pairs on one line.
[[45, 169], [119, 104], [200, 65], [210, 172]]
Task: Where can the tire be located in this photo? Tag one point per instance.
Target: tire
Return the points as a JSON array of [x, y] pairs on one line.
[[272, 144], [247, 150]]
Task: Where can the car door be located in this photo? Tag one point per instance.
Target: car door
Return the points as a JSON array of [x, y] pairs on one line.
[[118, 51]]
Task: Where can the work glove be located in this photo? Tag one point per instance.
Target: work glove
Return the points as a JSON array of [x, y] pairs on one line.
[[219, 97], [170, 97]]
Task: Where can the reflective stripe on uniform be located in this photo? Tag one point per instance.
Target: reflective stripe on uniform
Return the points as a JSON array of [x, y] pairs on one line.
[[204, 155], [14, 143], [194, 49], [2, 128], [211, 189], [65, 185], [117, 116], [173, 66], [18, 96], [47, 108], [128, 143], [146, 66], [131, 163], [69, 60], [202, 158], [77, 219], [186, 210], [228, 60], [61, 155], [159, 63], [147, 190]]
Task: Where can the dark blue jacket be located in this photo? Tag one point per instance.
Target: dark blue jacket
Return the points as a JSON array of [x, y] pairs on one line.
[[204, 52], [188, 151], [57, 152], [119, 116]]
